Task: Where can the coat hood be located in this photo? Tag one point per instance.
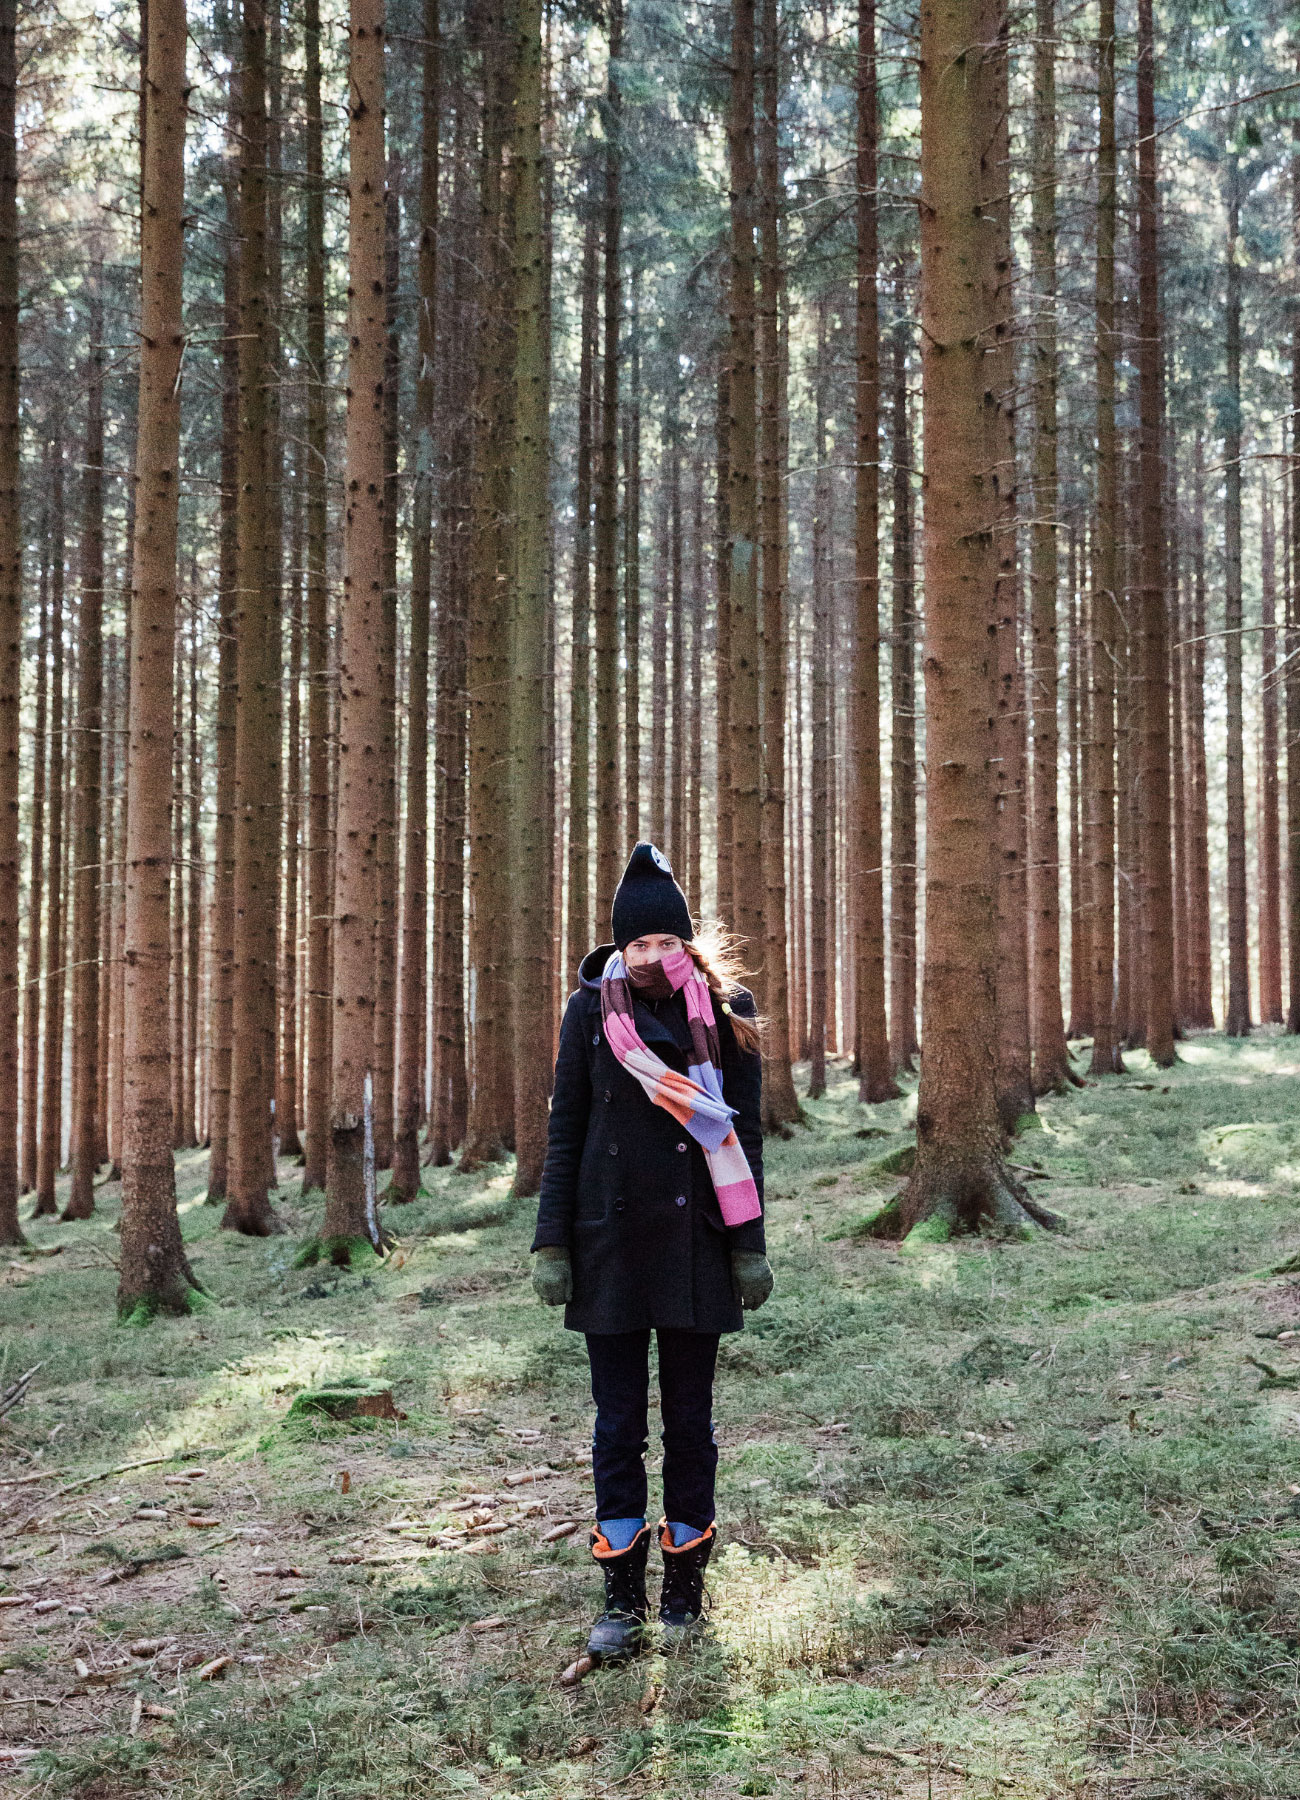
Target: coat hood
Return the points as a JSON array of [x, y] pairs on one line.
[[592, 966]]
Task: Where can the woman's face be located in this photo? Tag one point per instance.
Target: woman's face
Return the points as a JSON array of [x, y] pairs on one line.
[[651, 948]]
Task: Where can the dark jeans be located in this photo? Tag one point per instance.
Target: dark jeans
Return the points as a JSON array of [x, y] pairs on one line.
[[620, 1386]]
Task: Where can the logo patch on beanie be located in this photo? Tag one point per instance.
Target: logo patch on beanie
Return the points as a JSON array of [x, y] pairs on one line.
[[660, 860]]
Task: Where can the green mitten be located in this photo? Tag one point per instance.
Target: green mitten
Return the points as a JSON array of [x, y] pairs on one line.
[[552, 1275], [752, 1274]]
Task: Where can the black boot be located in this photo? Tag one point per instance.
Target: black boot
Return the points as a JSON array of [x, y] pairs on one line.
[[681, 1601], [620, 1630]]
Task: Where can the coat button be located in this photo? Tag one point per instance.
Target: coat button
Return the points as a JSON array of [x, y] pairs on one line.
[[618, 1205], [613, 1149], [681, 1199], [596, 1039], [681, 1146], [609, 1095]]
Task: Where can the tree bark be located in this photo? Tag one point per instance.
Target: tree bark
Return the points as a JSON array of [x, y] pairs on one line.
[[56, 975], [89, 748], [1237, 1020], [903, 1045], [405, 1184], [222, 926], [1099, 753], [1157, 889], [351, 1209], [255, 839], [608, 861], [871, 1035], [632, 577], [578, 936], [11, 623], [36, 884], [530, 910], [320, 848], [780, 1103], [1270, 848], [960, 1180], [822, 529], [724, 896], [1198, 858], [744, 722], [1052, 1071], [386, 875], [154, 1273], [1015, 1075]]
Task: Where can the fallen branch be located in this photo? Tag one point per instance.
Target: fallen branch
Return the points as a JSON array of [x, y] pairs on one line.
[[913, 1759], [17, 1390]]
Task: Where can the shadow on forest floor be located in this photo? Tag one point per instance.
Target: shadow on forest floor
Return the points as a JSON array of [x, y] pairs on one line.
[[1017, 1521]]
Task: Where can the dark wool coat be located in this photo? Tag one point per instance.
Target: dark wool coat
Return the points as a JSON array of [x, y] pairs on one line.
[[627, 1189]]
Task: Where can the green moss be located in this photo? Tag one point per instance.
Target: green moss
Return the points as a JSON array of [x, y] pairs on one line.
[[355, 1253]]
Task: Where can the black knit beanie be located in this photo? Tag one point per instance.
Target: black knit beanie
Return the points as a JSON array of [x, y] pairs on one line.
[[648, 899]]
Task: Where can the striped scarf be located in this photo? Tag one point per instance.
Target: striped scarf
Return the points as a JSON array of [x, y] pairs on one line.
[[695, 1099]]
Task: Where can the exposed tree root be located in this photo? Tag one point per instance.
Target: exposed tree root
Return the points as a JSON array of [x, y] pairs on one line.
[[934, 1208]]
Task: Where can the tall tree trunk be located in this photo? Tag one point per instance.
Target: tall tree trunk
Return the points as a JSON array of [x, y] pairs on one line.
[[780, 1103], [960, 1178], [724, 900], [1237, 1021], [822, 527], [351, 1210], [56, 974], [110, 894], [676, 767], [1157, 879], [1052, 1069], [1198, 822], [871, 1035], [255, 839], [608, 861], [1270, 848], [659, 608], [405, 1184], [386, 914], [1015, 1076], [320, 849], [194, 902], [290, 1037], [632, 578], [450, 1082], [491, 1100], [744, 734], [153, 1272], [530, 910], [1293, 622], [578, 938], [222, 927], [11, 624], [86, 790], [1099, 753], [903, 1044], [36, 884]]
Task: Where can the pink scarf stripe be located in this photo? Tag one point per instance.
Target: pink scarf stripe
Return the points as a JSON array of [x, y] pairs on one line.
[[700, 1107]]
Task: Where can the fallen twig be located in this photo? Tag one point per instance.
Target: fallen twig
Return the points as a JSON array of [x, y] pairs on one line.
[[913, 1759], [17, 1390]]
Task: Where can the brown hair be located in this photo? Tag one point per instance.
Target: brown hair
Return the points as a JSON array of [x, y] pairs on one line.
[[717, 954]]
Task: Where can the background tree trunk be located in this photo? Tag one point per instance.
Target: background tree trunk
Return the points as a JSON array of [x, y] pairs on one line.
[[1237, 1021], [1047, 1031], [1157, 893], [89, 744], [153, 1273], [903, 1044], [875, 1076], [351, 1212], [255, 839], [405, 1184], [56, 974], [36, 880], [608, 861]]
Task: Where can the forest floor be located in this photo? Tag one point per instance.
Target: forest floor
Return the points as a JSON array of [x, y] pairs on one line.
[[995, 1519]]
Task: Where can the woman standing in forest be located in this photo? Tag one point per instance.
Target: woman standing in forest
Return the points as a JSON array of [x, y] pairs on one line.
[[651, 1219]]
